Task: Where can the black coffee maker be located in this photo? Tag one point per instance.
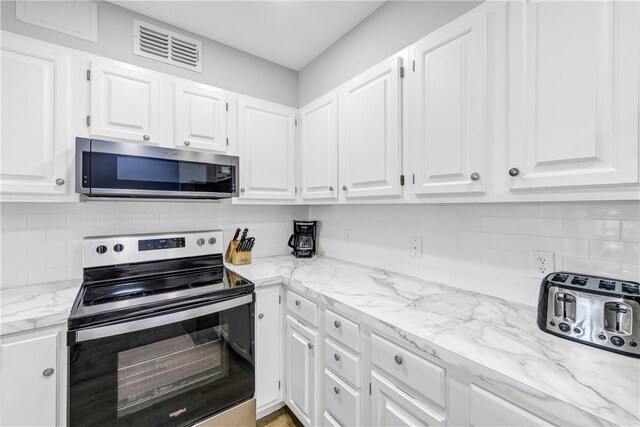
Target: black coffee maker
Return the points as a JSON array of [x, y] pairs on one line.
[[303, 239]]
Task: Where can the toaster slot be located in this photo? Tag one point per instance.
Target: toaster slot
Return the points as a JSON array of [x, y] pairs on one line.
[[580, 281], [561, 278], [607, 285], [565, 306], [618, 317], [631, 288]]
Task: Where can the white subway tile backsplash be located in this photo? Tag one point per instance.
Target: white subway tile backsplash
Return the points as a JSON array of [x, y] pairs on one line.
[[14, 221], [615, 210], [619, 252], [499, 225], [47, 275], [630, 231], [517, 242], [590, 266], [592, 229], [81, 220], [630, 272], [564, 210], [578, 248], [24, 208], [540, 226], [23, 235], [47, 220]]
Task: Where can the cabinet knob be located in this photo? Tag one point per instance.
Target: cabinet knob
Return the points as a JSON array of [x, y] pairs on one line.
[[48, 372], [336, 323], [336, 356], [514, 171], [242, 190], [331, 188], [398, 359], [146, 137], [344, 188], [187, 142], [260, 316], [310, 346], [59, 181], [336, 389], [297, 302], [475, 176]]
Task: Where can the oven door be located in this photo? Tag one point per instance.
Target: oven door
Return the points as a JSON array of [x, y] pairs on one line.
[[173, 368], [119, 169]]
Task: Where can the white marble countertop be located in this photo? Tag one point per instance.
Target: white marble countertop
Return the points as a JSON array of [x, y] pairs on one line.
[[28, 307], [453, 323]]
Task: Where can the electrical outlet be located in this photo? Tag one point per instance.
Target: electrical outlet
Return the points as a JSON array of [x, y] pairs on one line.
[[347, 237], [542, 263], [416, 247]]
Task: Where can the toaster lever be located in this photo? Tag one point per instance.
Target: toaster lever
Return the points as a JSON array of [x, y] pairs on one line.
[[619, 310]]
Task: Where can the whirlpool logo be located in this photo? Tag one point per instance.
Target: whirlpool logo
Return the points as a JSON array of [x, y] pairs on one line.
[[178, 412]]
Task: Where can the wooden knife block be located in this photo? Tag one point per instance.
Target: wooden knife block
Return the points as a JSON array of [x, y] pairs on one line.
[[237, 258]]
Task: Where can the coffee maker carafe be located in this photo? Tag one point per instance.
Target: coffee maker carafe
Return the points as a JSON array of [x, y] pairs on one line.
[[303, 239]]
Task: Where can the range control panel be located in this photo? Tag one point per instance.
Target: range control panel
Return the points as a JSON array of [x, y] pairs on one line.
[[114, 250]]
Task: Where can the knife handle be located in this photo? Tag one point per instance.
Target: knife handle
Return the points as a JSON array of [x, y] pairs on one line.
[[237, 234]]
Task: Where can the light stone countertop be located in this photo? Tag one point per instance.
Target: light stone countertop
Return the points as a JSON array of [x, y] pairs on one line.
[[472, 332]]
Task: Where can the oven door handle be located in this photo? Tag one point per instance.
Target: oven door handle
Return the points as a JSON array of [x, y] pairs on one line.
[[165, 319]]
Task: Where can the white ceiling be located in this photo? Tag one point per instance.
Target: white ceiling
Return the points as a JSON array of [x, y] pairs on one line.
[[289, 33]]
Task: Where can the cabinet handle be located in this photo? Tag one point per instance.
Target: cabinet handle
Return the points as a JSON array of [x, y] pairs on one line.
[[310, 346], [336, 356], [344, 188], [336, 323], [514, 171], [187, 142], [331, 188], [146, 137], [475, 176], [48, 372], [297, 302], [59, 181], [398, 359], [260, 316], [242, 190], [336, 389]]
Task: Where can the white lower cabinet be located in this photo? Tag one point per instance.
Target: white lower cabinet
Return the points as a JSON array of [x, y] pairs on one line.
[[268, 359], [341, 401], [487, 409], [33, 378], [302, 373]]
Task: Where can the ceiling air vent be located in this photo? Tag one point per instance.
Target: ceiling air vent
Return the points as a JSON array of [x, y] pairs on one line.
[[166, 46]]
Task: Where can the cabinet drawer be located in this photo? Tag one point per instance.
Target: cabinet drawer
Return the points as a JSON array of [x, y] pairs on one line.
[[341, 401], [329, 421], [342, 330], [487, 409], [342, 362], [302, 308], [417, 373]]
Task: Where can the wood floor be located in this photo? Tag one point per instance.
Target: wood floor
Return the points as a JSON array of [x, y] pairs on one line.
[[283, 417]]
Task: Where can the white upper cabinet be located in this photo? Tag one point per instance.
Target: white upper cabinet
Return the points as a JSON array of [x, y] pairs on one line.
[[573, 94], [125, 102], [36, 79], [200, 116], [266, 146], [449, 107], [370, 132], [319, 148]]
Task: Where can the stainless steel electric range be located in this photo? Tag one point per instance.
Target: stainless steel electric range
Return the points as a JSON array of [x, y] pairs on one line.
[[161, 334]]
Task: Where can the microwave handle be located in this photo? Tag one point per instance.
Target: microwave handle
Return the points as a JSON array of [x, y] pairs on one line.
[[152, 322]]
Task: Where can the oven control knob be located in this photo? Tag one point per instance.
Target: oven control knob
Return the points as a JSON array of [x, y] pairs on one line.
[[564, 327], [617, 341], [212, 240], [200, 241], [633, 344], [101, 249], [118, 247]]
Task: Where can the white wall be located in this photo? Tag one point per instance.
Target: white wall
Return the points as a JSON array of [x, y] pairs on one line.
[[222, 65], [392, 27], [42, 242], [486, 247]]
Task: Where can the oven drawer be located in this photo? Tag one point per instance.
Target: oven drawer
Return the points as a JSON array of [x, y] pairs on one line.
[[417, 373], [342, 330], [341, 401], [302, 308], [342, 362]]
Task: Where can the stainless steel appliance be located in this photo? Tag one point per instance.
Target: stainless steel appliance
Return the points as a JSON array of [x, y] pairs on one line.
[[596, 311], [161, 334], [119, 169], [303, 239]]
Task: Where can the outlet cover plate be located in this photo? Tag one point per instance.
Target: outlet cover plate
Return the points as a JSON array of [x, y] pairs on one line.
[[415, 247], [542, 263]]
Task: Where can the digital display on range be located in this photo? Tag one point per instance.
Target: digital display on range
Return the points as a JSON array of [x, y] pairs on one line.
[[153, 244]]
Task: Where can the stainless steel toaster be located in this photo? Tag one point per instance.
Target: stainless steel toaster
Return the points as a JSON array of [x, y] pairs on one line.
[[597, 311]]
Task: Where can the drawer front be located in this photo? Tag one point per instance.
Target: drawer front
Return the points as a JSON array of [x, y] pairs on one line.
[[341, 401], [302, 308], [417, 373], [488, 409], [342, 330], [343, 363], [329, 421]]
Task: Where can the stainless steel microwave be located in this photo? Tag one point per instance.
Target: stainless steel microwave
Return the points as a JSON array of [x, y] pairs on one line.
[[129, 170]]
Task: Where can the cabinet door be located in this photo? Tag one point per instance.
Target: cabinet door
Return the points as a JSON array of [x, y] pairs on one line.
[[370, 129], [319, 148], [268, 347], [573, 93], [30, 375], [200, 116], [301, 370], [450, 108], [487, 409], [390, 406], [36, 104], [125, 102], [266, 138]]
